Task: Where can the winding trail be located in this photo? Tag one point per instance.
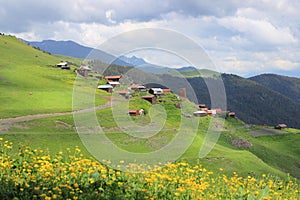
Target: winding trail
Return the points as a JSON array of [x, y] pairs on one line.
[[5, 123]]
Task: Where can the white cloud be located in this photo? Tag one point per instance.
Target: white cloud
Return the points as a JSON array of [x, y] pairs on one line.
[[260, 31]]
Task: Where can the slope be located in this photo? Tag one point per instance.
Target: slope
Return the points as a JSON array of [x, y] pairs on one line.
[[29, 81], [285, 85]]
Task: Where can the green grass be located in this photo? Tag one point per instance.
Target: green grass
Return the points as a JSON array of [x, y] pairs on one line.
[[29, 84]]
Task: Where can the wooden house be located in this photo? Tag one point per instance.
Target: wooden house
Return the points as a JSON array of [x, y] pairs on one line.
[[150, 98], [107, 87], [231, 114], [280, 126], [113, 78], [199, 113], [202, 106], [138, 88], [63, 65], [156, 91], [134, 113]]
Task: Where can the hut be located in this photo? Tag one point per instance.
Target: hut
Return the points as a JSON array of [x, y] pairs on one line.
[[63, 65], [200, 113], [113, 78], [280, 126], [156, 91], [231, 114], [150, 98], [107, 87], [134, 113], [202, 106]]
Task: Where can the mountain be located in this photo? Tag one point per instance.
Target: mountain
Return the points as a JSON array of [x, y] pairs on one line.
[[145, 66], [73, 49], [186, 69], [252, 102], [287, 86]]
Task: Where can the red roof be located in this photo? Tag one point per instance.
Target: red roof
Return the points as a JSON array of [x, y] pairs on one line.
[[134, 86], [167, 90], [204, 109], [113, 77], [148, 97]]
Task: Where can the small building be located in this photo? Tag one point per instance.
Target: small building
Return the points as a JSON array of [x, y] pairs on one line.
[[84, 70], [199, 113], [218, 110], [150, 98], [138, 88], [113, 78], [231, 114], [211, 112], [167, 90], [134, 113], [107, 87], [280, 126], [202, 106], [63, 65], [156, 91]]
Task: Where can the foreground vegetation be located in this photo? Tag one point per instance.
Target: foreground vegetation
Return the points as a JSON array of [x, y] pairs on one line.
[[34, 174]]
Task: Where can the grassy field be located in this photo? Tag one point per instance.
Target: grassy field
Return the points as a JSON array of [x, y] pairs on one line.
[[29, 84]]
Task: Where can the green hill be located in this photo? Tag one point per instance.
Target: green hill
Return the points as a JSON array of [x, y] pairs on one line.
[[29, 84], [288, 86], [29, 81]]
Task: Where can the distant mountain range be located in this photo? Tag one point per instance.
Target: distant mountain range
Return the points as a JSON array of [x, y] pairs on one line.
[[73, 49]]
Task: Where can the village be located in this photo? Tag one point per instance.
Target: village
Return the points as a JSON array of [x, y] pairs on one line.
[[152, 94]]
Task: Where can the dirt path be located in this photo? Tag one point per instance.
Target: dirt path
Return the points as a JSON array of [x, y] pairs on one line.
[[5, 123]]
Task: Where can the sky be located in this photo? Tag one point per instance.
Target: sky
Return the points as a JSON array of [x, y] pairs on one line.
[[241, 37]]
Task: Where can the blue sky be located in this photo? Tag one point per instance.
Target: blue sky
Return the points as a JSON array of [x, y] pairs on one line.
[[241, 37]]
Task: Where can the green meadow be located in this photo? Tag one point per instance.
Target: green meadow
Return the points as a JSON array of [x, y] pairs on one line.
[[31, 84]]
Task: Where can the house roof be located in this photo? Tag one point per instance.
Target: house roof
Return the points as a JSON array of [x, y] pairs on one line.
[[114, 83], [200, 112], [166, 90], [113, 77], [62, 63], [85, 68], [282, 125], [107, 86], [148, 97]]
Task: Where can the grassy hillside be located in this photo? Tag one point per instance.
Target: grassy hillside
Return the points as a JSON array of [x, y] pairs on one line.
[[284, 85], [30, 84], [29, 81]]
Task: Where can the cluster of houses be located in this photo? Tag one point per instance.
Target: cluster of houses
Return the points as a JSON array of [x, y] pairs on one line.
[[204, 111]]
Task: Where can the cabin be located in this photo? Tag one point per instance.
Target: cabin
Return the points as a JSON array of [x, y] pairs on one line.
[[84, 70], [202, 106], [113, 78], [231, 114], [156, 91], [167, 90], [150, 98], [107, 88], [280, 126], [200, 113], [138, 88], [134, 113], [63, 65], [218, 110]]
